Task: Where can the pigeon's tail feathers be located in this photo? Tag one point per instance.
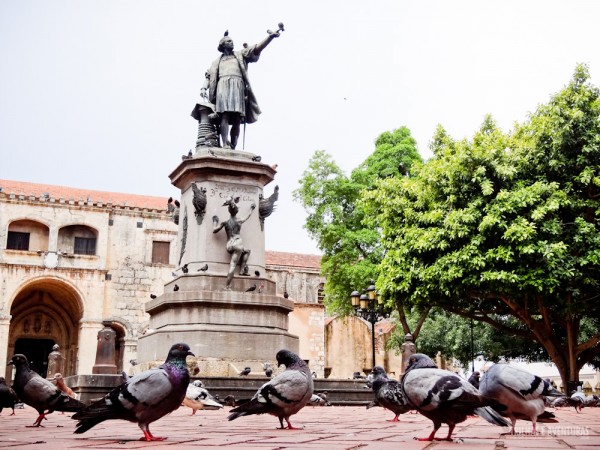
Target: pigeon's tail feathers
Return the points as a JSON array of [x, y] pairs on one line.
[[491, 416], [547, 417], [553, 393], [86, 424], [248, 408], [211, 403], [69, 404]]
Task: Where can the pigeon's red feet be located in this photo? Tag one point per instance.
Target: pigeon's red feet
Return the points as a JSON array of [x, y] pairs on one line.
[[38, 422], [395, 419], [148, 437]]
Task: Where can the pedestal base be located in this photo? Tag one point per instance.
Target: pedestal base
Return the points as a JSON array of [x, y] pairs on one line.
[[245, 328]]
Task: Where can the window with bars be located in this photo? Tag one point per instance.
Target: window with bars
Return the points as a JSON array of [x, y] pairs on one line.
[[321, 293], [17, 240], [160, 252], [85, 246]]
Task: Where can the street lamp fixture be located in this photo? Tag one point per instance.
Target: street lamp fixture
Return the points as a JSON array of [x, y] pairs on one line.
[[369, 306]]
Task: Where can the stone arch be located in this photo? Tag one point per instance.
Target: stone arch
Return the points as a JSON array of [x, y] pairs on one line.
[[35, 232], [46, 311], [69, 235]]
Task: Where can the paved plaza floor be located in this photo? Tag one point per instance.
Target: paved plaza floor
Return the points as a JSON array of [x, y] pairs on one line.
[[328, 428]]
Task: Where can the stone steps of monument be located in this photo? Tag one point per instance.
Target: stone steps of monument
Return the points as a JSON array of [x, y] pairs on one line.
[[339, 392]]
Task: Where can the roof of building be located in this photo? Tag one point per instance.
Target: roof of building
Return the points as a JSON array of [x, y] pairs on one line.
[[293, 260], [67, 193]]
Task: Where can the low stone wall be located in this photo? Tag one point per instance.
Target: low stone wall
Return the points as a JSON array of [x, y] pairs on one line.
[[339, 392]]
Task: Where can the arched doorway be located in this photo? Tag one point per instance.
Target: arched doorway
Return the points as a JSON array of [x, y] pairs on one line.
[[45, 312]]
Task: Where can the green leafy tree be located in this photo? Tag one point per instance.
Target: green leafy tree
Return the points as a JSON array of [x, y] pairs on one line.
[[351, 249], [506, 226], [450, 334]]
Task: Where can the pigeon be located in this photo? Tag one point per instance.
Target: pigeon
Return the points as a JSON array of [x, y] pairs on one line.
[[521, 392], [8, 397], [204, 268], [257, 273], [176, 288], [474, 379], [153, 296], [197, 397], [284, 395], [320, 399], [145, 397], [184, 268], [39, 393], [256, 158], [60, 383], [285, 294], [251, 288], [268, 372], [388, 393], [444, 397], [245, 372]]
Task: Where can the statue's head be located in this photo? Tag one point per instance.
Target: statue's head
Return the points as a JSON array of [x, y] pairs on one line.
[[408, 337], [233, 209], [55, 347], [225, 43]]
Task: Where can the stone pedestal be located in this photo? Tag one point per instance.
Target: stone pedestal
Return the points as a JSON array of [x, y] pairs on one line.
[[245, 324]]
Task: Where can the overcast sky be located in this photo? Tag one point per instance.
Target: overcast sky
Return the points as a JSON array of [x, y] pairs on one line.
[[97, 94]]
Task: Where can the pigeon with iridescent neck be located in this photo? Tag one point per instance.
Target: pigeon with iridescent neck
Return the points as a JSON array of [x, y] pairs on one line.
[[144, 398]]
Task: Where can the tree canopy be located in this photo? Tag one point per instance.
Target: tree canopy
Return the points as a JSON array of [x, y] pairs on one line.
[[351, 249], [504, 228]]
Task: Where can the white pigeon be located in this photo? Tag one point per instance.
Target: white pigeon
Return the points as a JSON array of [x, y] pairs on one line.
[[197, 397], [444, 397], [284, 395], [520, 391]]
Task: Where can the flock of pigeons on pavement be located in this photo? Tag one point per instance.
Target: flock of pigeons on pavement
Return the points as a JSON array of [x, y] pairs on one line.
[[440, 395]]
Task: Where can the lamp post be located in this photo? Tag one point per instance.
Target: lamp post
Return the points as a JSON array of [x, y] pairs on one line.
[[369, 306]]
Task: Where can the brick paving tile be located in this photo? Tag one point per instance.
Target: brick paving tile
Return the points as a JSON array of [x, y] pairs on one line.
[[325, 428]]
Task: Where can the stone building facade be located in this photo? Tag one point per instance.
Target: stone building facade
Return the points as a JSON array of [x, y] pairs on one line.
[[73, 259]]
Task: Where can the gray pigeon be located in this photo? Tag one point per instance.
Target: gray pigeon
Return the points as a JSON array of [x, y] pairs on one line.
[[520, 391], [8, 397], [39, 393], [444, 397], [145, 397], [284, 395], [197, 397], [388, 393], [245, 372]]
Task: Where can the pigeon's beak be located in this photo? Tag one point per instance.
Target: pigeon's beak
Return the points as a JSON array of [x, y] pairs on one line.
[[189, 353]]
